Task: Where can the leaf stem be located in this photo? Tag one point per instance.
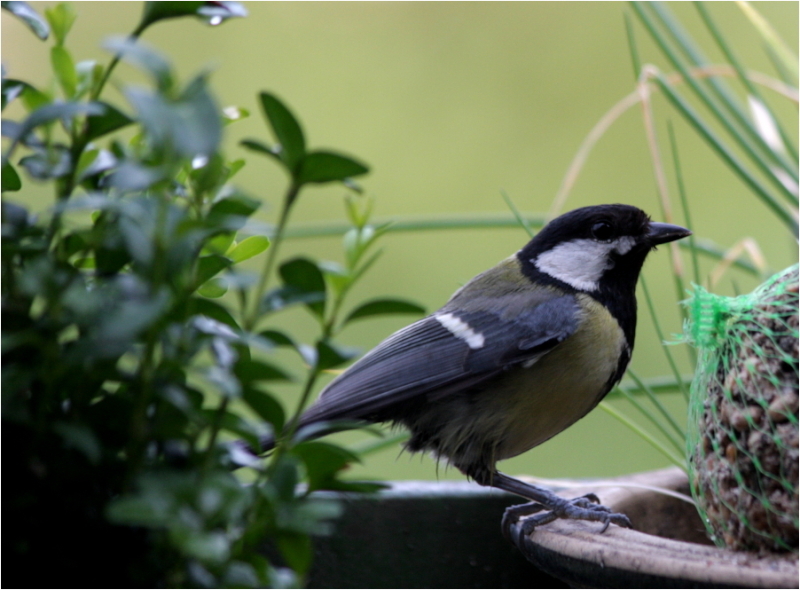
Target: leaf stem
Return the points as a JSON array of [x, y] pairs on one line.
[[95, 94], [272, 255]]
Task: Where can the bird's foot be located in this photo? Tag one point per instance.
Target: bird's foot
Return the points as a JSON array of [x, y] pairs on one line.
[[586, 507]]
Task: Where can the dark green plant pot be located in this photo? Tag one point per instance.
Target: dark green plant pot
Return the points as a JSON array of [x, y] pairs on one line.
[[424, 535]]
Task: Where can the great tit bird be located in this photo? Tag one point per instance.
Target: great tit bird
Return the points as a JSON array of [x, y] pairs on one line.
[[516, 355]]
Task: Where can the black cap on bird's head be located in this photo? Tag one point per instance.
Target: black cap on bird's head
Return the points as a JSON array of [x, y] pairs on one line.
[[596, 248]]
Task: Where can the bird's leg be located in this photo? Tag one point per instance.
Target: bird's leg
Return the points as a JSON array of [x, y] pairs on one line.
[[552, 507]]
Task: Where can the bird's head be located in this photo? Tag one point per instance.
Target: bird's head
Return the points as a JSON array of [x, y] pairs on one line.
[[596, 249]]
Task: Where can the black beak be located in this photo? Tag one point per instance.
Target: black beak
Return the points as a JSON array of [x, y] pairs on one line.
[[661, 233]]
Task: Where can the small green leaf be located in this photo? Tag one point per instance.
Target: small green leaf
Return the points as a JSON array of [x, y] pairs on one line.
[[133, 176], [207, 546], [321, 457], [11, 90], [110, 120], [233, 113], [34, 99], [51, 112], [82, 438], [359, 209], [143, 57], [220, 244], [285, 478], [247, 248], [75, 242], [29, 16], [308, 354], [234, 423], [110, 258], [207, 174], [234, 167], [189, 126], [89, 74], [266, 406], [383, 307], [318, 429], [339, 280], [305, 277], [64, 69], [135, 510], [213, 288], [11, 181], [212, 13], [61, 18], [329, 355], [319, 166], [30, 96], [209, 266], [277, 338], [53, 163], [283, 297], [286, 128], [212, 309], [86, 159], [322, 461], [103, 162], [200, 131], [256, 146], [156, 11], [250, 371], [232, 212], [215, 13], [296, 549]]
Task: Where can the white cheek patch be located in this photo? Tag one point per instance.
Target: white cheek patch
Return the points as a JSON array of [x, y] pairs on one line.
[[623, 245], [581, 263], [461, 329]]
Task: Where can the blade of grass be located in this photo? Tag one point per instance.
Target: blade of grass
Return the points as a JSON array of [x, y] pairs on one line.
[[616, 111], [371, 446], [522, 221], [720, 89], [766, 196], [692, 249], [710, 249], [751, 88], [660, 333], [634, 49], [661, 384], [657, 403], [784, 74], [741, 117], [745, 143], [747, 245], [684, 202], [653, 420], [674, 459], [404, 224], [486, 221], [661, 182], [772, 39]]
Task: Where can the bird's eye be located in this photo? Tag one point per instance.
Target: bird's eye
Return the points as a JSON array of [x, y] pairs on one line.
[[602, 231]]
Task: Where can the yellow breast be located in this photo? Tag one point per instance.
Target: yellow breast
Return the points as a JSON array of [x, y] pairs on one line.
[[561, 387]]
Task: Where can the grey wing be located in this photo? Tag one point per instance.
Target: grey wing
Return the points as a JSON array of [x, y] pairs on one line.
[[442, 354]]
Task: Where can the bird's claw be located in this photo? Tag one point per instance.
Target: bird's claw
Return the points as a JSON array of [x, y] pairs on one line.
[[586, 507]]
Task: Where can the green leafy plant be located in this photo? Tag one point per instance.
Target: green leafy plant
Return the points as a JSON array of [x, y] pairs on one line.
[[135, 349]]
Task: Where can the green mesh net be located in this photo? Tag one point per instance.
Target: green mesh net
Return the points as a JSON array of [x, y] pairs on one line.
[[742, 433]]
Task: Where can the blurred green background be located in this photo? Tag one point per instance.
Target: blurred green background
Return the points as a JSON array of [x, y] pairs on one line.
[[450, 104]]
